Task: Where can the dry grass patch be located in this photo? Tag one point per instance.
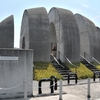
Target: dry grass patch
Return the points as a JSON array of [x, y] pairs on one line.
[[45, 70], [82, 71]]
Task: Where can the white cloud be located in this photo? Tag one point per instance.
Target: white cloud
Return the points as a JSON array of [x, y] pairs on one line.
[[85, 6], [88, 6]]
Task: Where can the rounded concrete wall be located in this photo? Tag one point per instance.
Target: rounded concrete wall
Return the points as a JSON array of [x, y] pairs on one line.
[[98, 44], [7, 33], [67, 33], [35, 33], [88, 37]]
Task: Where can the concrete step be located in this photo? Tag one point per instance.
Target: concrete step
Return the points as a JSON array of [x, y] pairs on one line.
[[64, 71]]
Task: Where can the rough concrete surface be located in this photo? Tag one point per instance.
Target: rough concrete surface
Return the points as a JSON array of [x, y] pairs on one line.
[[35, 33], [15, 64], [7, 32], [66, 32], [89, 39], [98, 37]]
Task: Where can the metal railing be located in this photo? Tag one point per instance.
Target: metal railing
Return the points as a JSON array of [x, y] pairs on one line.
[[69, 62], [67, 59], [56, 60], [87, 60], [84, 58], [95, 60]]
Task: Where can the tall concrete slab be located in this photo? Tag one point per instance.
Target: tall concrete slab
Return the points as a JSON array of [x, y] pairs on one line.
[[65, 29], [16, 73], [7, 33], [88, 37], [35, 33]]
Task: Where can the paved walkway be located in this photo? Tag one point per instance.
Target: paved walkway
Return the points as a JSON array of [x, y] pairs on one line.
[[73, 91]]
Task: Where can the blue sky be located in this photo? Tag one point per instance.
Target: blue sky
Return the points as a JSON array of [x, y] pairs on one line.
[[87, 8]]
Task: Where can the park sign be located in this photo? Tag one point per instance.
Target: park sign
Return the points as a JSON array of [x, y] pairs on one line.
[[8, 58]]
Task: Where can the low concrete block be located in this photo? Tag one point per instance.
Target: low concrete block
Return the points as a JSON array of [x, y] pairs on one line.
[[15, 64]]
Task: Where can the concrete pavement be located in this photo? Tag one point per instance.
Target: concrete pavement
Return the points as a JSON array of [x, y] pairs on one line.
[[73, 91]]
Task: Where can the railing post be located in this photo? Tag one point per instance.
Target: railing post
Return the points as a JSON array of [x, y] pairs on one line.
[[68, 78], [76, 78], [53, 77], [39, 88], [94, 77], [25, 80], [42, 80], [99, 76], [60, 92], [25, 89], [88, 91], [51, 86]]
